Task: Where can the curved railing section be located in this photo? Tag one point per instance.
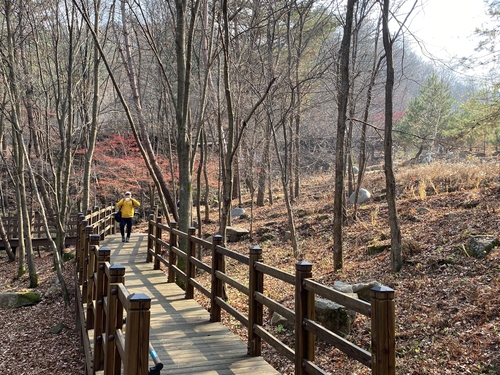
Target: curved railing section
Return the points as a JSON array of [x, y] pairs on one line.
[[103, 305]]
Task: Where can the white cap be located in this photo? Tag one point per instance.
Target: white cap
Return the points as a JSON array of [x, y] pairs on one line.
[[128, 193]]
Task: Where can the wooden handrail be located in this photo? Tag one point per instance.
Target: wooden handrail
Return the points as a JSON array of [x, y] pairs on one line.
[[381, 310], [100, 218], [102, 302]]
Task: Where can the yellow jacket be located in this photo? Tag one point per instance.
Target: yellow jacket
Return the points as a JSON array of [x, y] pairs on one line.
[[127, 207]]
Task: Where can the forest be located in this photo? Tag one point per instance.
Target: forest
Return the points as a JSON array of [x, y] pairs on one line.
[[199, 107], [218, 97], [192, 104]]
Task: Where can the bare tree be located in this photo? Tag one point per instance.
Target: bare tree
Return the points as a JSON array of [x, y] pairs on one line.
[[375, 69], [24, 168], [20, 159], [92, 120], [343, 96], [6, 243], [396, 259], [140, 131]]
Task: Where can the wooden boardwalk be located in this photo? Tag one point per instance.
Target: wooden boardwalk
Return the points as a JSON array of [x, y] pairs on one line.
[[181, 332]]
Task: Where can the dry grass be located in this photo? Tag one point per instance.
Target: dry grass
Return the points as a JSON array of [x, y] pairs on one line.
[[444, 177]]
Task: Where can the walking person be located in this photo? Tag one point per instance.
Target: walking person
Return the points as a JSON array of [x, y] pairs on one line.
[[127, 205]]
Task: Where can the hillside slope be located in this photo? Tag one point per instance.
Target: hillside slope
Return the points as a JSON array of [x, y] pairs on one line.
[[447, 303]]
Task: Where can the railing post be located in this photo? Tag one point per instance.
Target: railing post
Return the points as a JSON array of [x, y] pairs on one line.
[[383, 331], [78, 268], [114, 318], [304, 308], [79, 219], [255, 309], [102, 223], [80, 248], [96, 219], [113, 223], [111, 219], [91, 267], [191, 269], [172, 258], [86, 252], [89, 216], [151, 234], [107, 221], [100, 292], [215, 310], [158, 234], [137, 337]]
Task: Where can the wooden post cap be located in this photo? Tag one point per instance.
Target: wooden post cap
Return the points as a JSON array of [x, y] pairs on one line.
[[104, 251], [116, 269], [382, 292], [139, 301], [303, 266], [95, 238], [255, 250]]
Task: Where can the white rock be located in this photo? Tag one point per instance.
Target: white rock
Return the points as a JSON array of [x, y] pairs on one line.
[[363, 196]]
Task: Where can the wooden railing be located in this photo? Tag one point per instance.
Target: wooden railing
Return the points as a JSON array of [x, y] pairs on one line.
[[381, 359], [101, 215], [103, 304]]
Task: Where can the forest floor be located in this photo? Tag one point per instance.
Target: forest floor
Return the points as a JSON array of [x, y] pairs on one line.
[[26, 345], [447, 302]]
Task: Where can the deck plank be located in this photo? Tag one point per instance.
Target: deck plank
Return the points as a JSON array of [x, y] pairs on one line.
[[180, 329]]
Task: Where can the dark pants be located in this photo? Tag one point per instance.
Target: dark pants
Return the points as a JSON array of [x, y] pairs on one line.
[[128, 222]]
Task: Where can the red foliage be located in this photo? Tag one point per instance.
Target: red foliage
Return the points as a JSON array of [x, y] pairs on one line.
[[118, 166]]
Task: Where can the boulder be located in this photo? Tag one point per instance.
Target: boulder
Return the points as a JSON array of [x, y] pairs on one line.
[[333, 316], [237, 211], [53, 289], [277, 319], [11, 300], [267, 237], [58, 328], [480, 246], [236, 234], [355, 170], [363, 290], [68, 255], [342, 287], [363, 196], [429, 158], [377, 247], [360, 290]]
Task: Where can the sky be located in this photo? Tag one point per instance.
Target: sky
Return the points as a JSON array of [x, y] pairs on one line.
[[447, 26]]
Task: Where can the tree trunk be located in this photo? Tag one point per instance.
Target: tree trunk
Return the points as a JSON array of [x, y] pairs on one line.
[[142, 136], [154, 170], [343, 95], [6, 242], [199, 172], [263, 174], [396, 259], [19, 156], [284, 184], [362, 147], [89, 154]]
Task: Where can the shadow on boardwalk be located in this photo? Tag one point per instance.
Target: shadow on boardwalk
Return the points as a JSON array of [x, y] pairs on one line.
[[181, 332]]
